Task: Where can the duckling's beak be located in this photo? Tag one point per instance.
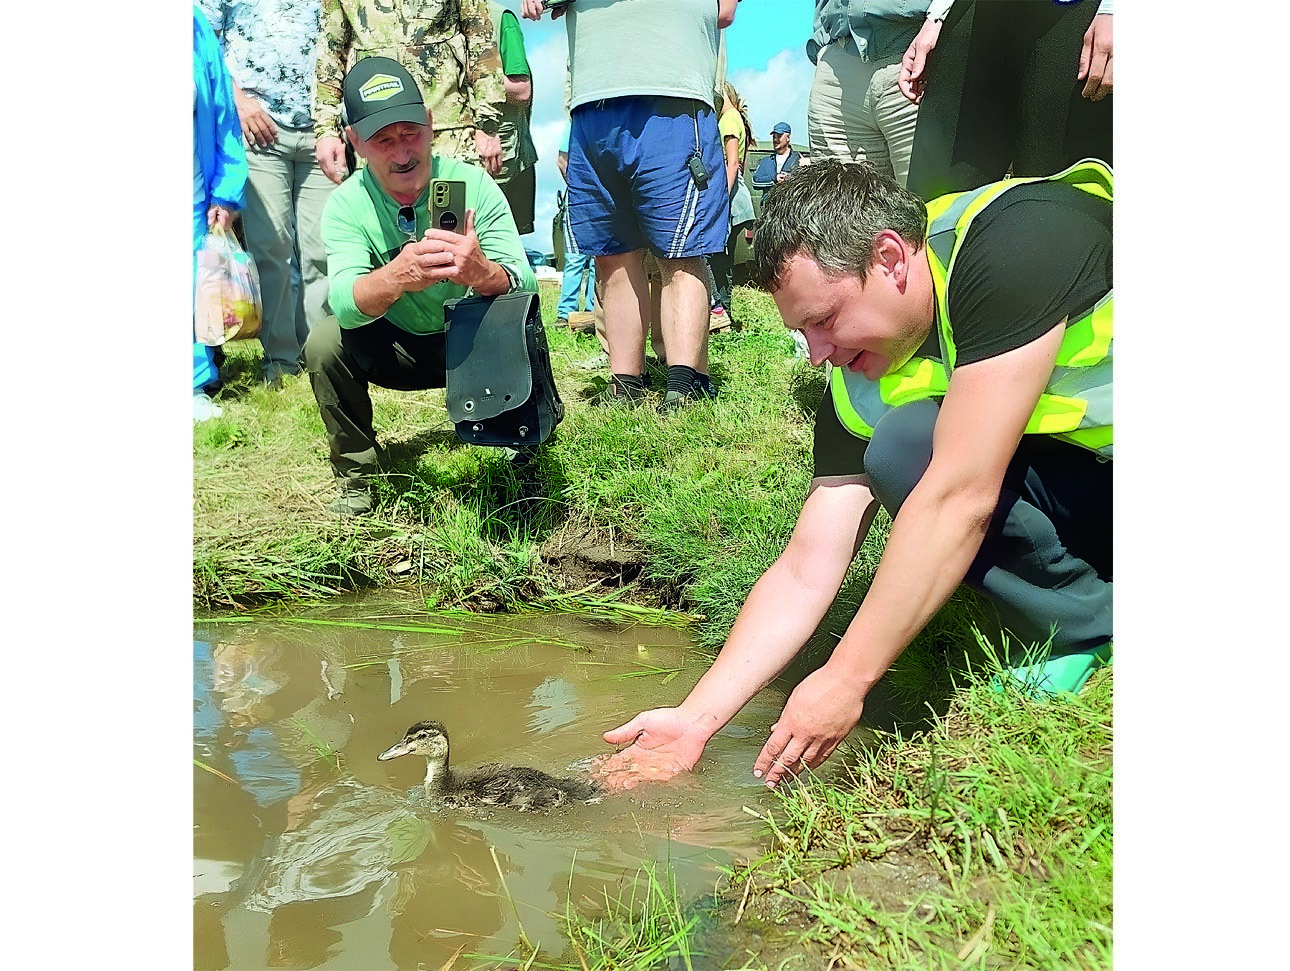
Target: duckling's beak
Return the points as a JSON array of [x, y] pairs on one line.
[[403, 747]]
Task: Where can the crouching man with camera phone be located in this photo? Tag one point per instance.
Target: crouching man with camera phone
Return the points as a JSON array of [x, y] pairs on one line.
[[391, 269]]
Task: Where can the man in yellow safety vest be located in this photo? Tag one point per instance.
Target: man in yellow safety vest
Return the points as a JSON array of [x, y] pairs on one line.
[[970, 396]]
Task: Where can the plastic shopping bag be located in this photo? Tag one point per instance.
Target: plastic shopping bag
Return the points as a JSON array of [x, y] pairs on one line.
[[227, 304]]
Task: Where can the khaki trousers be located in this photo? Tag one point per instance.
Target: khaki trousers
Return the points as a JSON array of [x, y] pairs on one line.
[[855, 111], [285, 195]]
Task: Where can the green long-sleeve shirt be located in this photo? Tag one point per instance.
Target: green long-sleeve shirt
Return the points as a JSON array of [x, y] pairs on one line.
[[360, 232]]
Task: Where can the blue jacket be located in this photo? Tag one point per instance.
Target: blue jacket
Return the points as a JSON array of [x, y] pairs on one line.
[[217, 132], [764, 177]]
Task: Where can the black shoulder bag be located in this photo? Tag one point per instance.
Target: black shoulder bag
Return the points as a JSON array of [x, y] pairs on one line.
[[500, 389]]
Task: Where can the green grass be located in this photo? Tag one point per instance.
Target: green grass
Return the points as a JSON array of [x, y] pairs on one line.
[[702, 491], [1006, 802]]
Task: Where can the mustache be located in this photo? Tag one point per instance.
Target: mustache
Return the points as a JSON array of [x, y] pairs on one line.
[[408, 167]]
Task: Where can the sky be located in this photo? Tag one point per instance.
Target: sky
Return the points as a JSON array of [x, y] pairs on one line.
[[766, 62]]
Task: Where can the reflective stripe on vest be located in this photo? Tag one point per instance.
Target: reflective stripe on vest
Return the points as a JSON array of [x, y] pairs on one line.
[[1076, 404]]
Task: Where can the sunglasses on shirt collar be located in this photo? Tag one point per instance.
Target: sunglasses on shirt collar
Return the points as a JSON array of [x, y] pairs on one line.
[[406, 220]]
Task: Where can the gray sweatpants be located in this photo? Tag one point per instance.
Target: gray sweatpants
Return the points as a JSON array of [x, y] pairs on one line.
[[1046, 558]]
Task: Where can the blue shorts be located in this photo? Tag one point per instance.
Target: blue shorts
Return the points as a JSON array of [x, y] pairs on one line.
[[630, 184]]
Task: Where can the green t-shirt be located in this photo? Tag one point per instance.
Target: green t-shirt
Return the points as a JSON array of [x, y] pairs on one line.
[[361, 233], [511, 45]]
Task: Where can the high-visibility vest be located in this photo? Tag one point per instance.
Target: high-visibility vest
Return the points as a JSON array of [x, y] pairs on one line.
[[1075, 406]]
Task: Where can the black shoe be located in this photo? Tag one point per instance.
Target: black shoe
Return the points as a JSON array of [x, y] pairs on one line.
[[702, 389], [620, 393]]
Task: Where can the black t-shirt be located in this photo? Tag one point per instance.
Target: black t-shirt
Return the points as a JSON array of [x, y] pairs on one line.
[[1041, 252]]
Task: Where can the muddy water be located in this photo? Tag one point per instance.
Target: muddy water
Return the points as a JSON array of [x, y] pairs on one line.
[[309, 853]]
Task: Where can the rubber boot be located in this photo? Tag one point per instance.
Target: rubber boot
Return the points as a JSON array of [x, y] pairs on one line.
[[1056, 675]]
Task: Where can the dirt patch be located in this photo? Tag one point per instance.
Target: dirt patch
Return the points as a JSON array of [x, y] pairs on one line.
[[579, 557]]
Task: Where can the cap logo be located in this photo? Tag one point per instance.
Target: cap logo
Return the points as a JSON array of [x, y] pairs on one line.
[[380, 87]]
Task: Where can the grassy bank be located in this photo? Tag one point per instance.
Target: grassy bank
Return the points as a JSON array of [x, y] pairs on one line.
[[683, 511]]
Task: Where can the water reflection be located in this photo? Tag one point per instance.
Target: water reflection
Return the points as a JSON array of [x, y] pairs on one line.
[[307, 850]]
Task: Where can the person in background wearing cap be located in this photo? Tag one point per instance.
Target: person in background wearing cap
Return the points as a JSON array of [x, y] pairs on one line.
[[775, 168], [856, 110], [448, 46], [390, 274]]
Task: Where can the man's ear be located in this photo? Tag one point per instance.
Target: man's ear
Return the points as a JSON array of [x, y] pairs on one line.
[[891, 254], [354, 140]]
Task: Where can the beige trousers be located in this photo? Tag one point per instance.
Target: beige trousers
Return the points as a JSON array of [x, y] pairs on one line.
[[855, 111]]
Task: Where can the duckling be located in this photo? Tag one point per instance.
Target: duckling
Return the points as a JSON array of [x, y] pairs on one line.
[[514, 787]]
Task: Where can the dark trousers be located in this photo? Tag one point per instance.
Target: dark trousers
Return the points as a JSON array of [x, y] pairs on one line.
[[1046, 558], [1001, 90], [343, 362], [722, 267]]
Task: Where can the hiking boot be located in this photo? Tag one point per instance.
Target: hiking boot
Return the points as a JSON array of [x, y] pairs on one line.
[[353, 501], [701, 389], [1058, 675]]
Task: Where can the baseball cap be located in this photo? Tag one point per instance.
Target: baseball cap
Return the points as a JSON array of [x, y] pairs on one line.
[[378, 92], [780, 129]]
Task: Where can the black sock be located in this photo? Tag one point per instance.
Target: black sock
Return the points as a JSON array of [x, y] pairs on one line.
[[684, 379], [631, 384]]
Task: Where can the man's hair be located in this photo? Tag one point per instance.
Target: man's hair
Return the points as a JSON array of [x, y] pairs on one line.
[[831, 211]]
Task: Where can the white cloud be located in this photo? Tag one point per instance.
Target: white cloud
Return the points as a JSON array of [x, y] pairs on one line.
[[777, 93]]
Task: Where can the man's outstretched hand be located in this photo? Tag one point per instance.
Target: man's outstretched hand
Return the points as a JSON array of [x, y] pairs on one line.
[[663, 744]]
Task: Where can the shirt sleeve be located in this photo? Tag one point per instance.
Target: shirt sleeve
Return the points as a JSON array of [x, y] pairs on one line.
[[835, 450], [334, 41], [349, 256], [485, 85], [514, 61]]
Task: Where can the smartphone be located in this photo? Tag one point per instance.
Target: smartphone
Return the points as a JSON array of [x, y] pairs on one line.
[[448, 205], [549, 4]]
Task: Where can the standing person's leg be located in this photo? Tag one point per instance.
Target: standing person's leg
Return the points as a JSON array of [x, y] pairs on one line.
[[683, 220], [833, 105], [603, 223], [270, 225], [966, 133], [1058, 125], [342, 363], [313, 189], [722, 266], [896, 118], [570, 284], [625, 293], [685, 299], [205, 373]]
